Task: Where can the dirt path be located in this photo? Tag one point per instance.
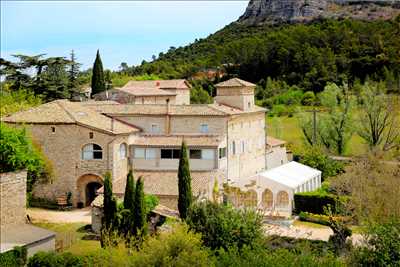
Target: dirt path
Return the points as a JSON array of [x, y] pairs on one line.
[[53, 216]]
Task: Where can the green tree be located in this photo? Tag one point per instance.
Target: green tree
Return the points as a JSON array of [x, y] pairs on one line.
[[223, 226], [379, 125], [336, 124], [129, 205], [185, 197], [73, 73], [109, 204], [98, 82], [140, 209]]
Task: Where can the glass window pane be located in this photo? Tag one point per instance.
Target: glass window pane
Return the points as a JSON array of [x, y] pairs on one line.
[[176, 153], [96, 147], [97, 155], [207, 154], [139, 153], [150, 153], [166, 153], [87, 155], [195, 154]]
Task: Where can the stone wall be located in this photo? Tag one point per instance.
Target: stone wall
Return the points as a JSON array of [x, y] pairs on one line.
[[12, 198], [64, 146]]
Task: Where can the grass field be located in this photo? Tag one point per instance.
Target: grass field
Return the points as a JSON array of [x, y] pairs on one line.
[[288, 129], [82, 242]]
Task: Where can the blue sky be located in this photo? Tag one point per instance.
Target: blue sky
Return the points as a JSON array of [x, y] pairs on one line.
[[123, 31]]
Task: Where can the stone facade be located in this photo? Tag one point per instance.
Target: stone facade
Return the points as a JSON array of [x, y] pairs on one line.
[[12, 198], [64, 149]]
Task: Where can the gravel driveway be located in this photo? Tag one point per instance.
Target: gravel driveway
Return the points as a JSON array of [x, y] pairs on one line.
[[55, 216]]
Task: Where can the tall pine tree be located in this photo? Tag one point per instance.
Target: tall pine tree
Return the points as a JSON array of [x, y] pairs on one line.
[[140, 211], [184, 183], [98, 82], [73, 72]]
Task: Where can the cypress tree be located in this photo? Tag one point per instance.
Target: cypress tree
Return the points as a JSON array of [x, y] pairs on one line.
[[139, 212], [184, 183], [98, 82], [109, 204], [129, 206]]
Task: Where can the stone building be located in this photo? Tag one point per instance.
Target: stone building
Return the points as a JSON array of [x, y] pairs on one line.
[[149, 92], [14, 231], [226, 142]]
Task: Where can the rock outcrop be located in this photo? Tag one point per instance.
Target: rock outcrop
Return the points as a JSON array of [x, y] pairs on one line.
[[278, 11]]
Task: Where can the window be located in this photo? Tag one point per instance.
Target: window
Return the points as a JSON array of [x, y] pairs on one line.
[[92, 151], [195, 153], [233, 148], [151, 153], [139, 153], [170, 153], [243, 147], [207, 154], [155, 128], [204, 128], [53, 129], [91, 135], [122, 151], [222, 152]]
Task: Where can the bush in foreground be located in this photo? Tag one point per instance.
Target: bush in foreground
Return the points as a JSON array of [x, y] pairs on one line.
[[223, 226]]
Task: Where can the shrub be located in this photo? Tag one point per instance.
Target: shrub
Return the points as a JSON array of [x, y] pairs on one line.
[[223, 226], [18, 152], [14, 258], [179, 247], [291, 97], [43, 203], [383, 246], [316, 158], [313, 202], [52, 259], [308, 98], [278, 110], [281, 257]]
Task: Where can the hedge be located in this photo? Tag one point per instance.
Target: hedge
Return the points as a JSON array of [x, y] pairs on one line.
[[313, 202], [14, 258]]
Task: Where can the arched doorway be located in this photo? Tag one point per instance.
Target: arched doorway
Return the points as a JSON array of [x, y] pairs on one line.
[[88, 185]]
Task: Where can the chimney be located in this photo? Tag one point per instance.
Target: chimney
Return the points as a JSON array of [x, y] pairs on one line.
[[168, 119]]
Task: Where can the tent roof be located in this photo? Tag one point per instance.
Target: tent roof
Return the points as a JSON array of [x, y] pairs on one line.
[[291, 174]]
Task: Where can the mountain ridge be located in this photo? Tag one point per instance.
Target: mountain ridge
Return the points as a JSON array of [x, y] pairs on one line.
[[293, 11]]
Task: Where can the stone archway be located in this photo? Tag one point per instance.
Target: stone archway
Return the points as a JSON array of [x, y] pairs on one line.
[[87, 186]]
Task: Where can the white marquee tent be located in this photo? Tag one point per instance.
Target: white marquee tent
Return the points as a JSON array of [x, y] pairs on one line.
[[275, 188]]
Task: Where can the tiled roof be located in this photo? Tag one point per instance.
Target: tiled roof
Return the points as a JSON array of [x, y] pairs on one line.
[[154, 109], [136, 91], [233, 111], [64, 111], [165, 182], [160, 84], [273, 142], [234, 82], [176, 140]]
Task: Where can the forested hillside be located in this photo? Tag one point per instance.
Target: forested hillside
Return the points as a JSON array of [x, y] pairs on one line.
[[306, 55]]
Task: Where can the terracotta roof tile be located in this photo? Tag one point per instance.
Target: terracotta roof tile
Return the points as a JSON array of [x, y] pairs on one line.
[[234, 82], [273, 142], [64, 111], [160, 84]]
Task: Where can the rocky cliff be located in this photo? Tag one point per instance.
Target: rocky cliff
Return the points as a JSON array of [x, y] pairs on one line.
[[278, 11]]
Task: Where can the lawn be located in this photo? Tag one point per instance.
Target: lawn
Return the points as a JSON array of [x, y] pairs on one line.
[[75, 237], [288, 129]]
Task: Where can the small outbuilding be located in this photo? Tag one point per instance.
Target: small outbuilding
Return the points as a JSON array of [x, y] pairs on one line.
[[272, 191]]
